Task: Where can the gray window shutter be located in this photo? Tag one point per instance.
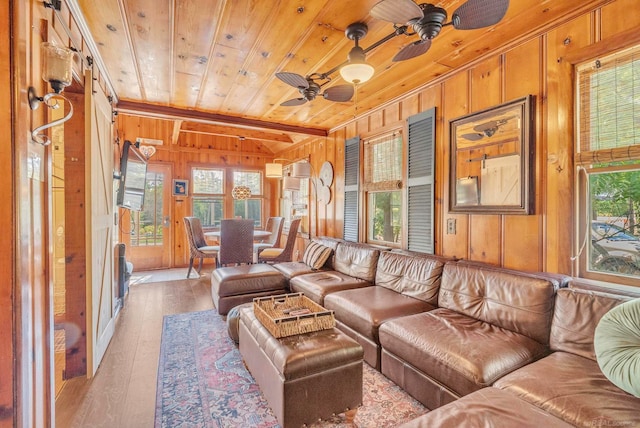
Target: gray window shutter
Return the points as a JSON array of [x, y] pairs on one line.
[[351, 174], [420, 181]]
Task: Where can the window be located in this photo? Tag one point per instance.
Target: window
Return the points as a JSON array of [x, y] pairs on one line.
[[208, 195], [146, 225], [249, 208], [608, 161], [382, 184]]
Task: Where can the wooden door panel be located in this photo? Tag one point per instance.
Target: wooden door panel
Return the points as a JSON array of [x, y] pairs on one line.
[[101, 289]]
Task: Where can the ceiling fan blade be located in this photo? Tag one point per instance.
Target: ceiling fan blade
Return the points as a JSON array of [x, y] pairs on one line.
[[479, 13], [473, 137], [396, 11], [413, 50], [339, 93], [487, 125], [294, 102], [293, 79]]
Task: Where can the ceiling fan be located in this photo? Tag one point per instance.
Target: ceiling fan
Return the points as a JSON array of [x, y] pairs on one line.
[[427, 20], [309, 88], [487, 129]]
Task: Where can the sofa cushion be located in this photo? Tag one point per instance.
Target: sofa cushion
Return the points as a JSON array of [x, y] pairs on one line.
[[364, 309], [291, 269], [356, 260], [522, 303], [575, 317], [316, 255], [461, 352], [488, 407], [414, 276], [574, 389], [617, 345], [317, 285]]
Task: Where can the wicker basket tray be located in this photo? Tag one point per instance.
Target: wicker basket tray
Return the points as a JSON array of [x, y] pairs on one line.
[[290, 314]]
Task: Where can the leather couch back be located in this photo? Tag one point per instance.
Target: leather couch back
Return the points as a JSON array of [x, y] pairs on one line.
[[331, 243], [414, 276], [519, 302], [356, 260], [575, 317]]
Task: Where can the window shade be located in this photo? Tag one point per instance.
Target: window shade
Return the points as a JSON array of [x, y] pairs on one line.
[[609, 108], [383, 163]]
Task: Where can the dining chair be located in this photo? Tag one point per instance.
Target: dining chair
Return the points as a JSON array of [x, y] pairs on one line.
[[278, 255], [198, 247], [236, 242], [274, 225]]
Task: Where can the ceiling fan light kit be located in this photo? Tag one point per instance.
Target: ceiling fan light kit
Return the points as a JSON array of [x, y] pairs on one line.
[[425, 20], [357, 70]]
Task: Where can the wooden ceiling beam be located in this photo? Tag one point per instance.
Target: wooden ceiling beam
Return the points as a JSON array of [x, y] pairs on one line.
[[177, 124], [226, 131], [165, 112]]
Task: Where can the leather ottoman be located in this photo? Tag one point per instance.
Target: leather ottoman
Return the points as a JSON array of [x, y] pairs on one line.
[[304, 377], [234, 285]]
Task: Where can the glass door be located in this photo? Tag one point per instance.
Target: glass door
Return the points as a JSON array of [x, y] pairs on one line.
[[150, 235]]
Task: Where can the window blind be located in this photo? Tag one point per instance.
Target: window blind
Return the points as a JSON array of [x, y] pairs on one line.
[[383, 163], [609, 108]]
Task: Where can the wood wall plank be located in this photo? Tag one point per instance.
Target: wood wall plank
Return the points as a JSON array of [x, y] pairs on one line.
[[527, 60], [7, 239]]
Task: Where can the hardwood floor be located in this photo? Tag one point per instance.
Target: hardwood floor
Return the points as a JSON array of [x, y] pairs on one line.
[[122, 394]]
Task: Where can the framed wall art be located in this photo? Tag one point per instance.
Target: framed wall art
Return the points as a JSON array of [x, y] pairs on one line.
[[180, 187], [492, 155]]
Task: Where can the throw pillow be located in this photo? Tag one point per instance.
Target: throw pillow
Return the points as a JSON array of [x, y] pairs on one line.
[[316, 255]]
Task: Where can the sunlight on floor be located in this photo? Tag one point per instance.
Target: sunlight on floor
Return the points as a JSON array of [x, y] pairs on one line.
[[165, 275]]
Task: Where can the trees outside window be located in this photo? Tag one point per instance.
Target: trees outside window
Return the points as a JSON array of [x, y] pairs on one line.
[[382, 184], [208, 195]]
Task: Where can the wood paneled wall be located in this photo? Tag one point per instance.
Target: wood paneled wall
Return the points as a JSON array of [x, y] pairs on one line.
[[541, 66], [8, 238], [185, 150]]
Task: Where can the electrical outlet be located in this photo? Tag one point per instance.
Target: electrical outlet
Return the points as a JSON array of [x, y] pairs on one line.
[[451, 226]]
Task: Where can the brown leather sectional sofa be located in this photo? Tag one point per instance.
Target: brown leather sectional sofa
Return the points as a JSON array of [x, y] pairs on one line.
[[444, 329]]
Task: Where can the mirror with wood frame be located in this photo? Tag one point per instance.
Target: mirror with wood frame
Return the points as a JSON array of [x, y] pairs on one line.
[[492, 160]]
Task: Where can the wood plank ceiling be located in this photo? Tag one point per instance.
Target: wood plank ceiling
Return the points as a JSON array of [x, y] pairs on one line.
[[211, 64]]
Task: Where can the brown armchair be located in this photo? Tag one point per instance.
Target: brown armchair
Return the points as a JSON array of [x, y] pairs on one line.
[[198, 247], [278, 255]]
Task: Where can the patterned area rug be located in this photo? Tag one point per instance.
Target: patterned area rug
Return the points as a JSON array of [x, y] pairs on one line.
[[202, 382]]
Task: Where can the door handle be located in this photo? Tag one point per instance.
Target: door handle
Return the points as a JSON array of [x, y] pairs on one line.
[[166, 221]]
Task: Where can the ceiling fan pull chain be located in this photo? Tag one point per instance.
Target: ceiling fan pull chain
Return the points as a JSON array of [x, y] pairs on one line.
[[355, 99]]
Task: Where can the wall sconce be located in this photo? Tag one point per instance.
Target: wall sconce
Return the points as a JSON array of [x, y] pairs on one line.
[[241, 193], [57, 62]]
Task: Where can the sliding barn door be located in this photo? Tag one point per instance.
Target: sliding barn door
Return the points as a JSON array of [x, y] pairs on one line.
[[100, 288]]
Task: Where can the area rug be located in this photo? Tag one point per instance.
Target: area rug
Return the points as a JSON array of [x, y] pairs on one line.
[[202, 382]]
